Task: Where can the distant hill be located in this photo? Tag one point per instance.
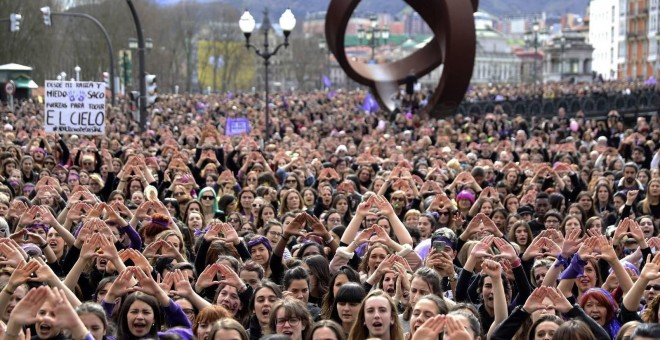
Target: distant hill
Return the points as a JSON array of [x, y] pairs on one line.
[[495, 7]]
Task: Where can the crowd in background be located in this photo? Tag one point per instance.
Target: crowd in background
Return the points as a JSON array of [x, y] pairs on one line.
[[330, 223]]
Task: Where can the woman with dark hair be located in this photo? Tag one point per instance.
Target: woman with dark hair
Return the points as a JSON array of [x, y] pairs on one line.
[[139, 317], [262, 301], [342, 204], [289, 316], [95, 319], [141, 313], [226, 204], [602, 198], [587, 204], [499, 217], [244, 203], [319, 275], [266, 213], [309, 197], [423, 282], [173, 207], [521, 234], [557, 202], [426, 225], [309, 248], [261, 252], [425, 308], [344, 275], [346, 305]]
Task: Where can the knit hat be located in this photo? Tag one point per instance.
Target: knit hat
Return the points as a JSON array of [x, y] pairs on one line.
[[465, 195]]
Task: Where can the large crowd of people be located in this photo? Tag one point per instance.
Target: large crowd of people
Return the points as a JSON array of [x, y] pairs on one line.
[[328, 223]]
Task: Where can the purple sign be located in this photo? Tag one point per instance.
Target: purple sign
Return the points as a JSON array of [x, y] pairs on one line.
[[237, 126]]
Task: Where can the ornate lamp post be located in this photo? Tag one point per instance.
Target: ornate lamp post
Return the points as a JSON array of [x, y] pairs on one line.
[[247, 25]]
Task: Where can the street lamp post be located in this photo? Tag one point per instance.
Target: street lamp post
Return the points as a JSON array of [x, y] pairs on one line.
[[564, 45], [77, 69], [47, 14], [323, 46], [247, 25], [143, 72], [373, 35], [535, 28]]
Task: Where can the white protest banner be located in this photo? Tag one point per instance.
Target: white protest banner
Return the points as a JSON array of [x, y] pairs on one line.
[[75, 107]]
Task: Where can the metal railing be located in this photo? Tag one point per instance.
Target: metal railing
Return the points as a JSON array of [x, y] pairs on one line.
[[596, 105]]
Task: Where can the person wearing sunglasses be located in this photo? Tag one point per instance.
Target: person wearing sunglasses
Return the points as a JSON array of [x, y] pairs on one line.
[[207, 197]]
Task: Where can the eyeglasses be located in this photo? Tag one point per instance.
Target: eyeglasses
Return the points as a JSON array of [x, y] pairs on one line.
[[291, 321], [275, 233], [49, 163], [188, 311], [655, 287], [397, 199], [551, 221], [443, 213], [179, 193], [233, 220], [208, 198], [291, 181]]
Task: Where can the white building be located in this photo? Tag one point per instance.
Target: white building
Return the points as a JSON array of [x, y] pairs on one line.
[[494, 62], [604, 36], [654, 34]]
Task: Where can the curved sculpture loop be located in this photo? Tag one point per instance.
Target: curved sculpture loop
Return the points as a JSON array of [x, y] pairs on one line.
[[453, 47]]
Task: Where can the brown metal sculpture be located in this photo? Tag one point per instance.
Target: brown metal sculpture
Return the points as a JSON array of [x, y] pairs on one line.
[[453, 46]]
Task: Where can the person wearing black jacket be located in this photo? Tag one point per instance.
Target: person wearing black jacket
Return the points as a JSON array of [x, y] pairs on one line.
[[544, 301], [486, 308]]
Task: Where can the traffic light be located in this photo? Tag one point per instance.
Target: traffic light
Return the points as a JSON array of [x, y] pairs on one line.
[[152, 89], [46, 12], [15, 20]]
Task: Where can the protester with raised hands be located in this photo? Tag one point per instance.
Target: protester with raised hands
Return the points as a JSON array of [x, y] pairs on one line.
[[141, 310], [96, 252], [50, 311], [542, 306], [647, 280], [488, 308], [451, 327], [382, 240]]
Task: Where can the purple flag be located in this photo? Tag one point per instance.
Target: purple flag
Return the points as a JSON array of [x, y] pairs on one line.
[[326, 81], [370, 105]]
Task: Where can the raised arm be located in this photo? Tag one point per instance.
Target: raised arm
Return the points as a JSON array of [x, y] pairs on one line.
[[402, 234], [494, 271], [650, 272]]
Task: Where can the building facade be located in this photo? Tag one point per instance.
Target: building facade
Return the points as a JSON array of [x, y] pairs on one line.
[[604, 36], [568, 57], [638, 45]]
